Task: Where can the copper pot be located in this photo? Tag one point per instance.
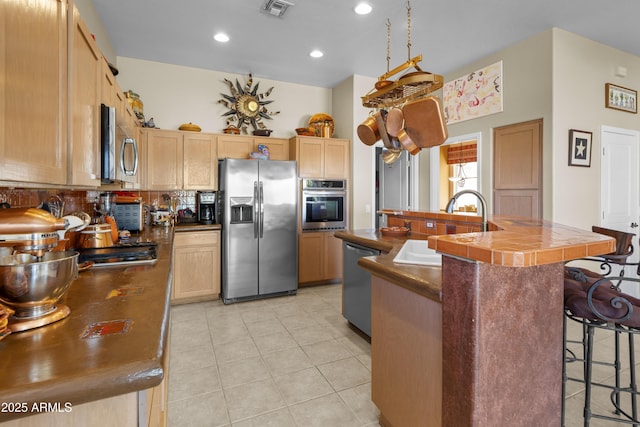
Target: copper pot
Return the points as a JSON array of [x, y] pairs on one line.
[[368, 130], [96, 236]]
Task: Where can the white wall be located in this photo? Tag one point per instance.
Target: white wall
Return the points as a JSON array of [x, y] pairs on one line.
[[174, 95], [581, 68], [347, 106]]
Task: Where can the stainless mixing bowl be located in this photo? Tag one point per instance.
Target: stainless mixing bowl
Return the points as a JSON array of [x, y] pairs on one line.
[[32, 287]]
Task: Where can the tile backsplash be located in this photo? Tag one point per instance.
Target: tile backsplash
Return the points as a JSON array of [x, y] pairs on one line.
[[82, 200]]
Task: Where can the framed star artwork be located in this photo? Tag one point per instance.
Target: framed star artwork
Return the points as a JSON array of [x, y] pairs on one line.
[[580, 148]]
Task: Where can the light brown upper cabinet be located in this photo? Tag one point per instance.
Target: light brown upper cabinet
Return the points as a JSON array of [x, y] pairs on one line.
[[239, 146], [321, 157], [33, 89], [85, 71], [180, 160], [200, 169]]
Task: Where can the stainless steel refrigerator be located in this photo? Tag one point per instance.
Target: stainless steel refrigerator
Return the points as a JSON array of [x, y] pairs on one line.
[[258, 206]]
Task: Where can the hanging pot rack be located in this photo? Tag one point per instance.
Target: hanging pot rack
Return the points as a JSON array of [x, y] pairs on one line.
[[408, 87]]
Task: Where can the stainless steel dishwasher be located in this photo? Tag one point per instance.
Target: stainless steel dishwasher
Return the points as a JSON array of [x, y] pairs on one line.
[[357, 287]]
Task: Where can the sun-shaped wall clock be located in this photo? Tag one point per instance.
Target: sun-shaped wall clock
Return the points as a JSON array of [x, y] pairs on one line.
[[246, 106]]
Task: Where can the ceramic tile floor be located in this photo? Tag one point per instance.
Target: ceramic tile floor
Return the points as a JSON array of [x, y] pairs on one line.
[[286, 361], [294, 361]]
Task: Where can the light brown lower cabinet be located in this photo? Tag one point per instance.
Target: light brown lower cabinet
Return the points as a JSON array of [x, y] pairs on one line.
[[196, 266], [319, 257], [406, 356]]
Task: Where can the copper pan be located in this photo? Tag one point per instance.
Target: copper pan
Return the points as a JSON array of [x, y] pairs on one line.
[[408, 143], [395, 121], [424, 122]]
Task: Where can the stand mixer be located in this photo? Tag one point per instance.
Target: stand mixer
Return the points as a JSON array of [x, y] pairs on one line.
[[33, 277]]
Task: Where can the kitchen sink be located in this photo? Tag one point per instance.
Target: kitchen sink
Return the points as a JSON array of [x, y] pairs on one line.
[[418, 252]]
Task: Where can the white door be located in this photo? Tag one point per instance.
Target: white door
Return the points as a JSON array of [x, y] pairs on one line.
[[619, 186]]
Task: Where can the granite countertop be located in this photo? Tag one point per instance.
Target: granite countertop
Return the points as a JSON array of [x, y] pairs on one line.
[[511, 242], [55, 363]]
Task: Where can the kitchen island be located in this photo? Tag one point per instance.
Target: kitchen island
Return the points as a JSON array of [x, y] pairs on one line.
[[81, 371], [478, 341]]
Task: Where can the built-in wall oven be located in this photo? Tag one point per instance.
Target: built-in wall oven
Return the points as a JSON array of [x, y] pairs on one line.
[[324, 204]]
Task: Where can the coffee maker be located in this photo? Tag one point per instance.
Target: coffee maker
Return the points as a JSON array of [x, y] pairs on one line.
[[206, 206]]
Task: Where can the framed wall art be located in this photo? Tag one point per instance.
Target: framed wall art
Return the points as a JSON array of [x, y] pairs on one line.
[[621, 98], [579, 148], [474, 95]]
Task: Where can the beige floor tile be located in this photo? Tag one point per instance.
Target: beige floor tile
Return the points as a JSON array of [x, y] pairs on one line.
[[204, 410], [300, 319], [188, 313], [324, 411], [252, 399], [355, 343], [265, 327], [279, 418], [193, 383], [302, 385], [235, 350], [192, 358], [229, 333], [245, 362], [286, 361], [311, 334], [345, 373], [326, 351], [258, 314], [243, 371], [274, 342], [185, 335], [365, 359], [358, 398], [288, 309]]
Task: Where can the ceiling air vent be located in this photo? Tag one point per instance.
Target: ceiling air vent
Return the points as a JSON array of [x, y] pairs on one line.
[[276, 7]]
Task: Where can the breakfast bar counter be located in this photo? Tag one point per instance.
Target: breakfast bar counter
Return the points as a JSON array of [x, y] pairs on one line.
[[107, 360], [479, 339]]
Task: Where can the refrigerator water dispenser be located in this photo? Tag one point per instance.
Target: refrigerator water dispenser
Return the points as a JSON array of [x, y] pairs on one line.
[[241, 211]]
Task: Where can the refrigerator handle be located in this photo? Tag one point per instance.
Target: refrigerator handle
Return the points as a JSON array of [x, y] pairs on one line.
[[256, 214], [261, 211]]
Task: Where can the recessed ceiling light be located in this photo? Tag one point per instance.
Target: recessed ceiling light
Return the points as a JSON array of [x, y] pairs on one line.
[[316, 53], [221, 37], [363, 8]]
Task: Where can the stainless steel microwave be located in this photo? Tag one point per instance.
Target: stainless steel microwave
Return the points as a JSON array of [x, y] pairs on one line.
[[108, 144], [324, 204], [128, 153]]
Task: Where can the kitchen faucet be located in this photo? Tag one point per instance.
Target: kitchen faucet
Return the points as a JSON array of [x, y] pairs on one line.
[[483, 202]]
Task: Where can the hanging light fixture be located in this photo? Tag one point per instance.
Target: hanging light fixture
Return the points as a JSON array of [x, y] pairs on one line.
[[460, 177]]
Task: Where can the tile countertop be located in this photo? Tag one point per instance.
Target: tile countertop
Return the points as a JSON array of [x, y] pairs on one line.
[[513, 242], [54, 363], [523, 242]]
